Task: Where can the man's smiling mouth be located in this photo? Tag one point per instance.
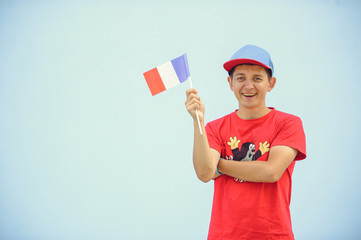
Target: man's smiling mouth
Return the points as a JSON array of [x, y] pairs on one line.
[[249, 94]]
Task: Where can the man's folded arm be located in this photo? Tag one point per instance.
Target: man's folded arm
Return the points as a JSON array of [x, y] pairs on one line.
[[280, 157]]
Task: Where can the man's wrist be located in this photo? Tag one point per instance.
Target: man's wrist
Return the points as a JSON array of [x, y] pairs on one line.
[[218, 169], [195, 123], [218, 172], [220, 165]]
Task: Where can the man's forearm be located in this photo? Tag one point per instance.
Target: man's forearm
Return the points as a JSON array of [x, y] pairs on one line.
[[280, 157], [204, 164], [251, 171], [205, 159]]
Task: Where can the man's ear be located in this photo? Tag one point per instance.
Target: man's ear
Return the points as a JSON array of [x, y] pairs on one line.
[[229, 79], [272, 84]]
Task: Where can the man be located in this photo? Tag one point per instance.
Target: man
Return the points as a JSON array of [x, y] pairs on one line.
[[250, 154]]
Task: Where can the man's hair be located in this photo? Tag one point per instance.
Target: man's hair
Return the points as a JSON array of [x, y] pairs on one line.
[[268, 71]]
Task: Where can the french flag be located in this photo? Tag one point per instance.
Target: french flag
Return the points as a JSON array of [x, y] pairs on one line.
[[167, 75]]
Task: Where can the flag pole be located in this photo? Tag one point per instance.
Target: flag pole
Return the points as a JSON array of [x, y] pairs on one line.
[[199, 124]]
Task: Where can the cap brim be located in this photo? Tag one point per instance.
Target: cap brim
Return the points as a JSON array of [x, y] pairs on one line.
[[234, 62]]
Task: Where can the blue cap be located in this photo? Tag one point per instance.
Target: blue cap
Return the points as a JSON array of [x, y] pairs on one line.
[[250, 54]]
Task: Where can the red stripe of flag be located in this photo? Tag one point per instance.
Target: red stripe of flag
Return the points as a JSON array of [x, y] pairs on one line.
[[154, 81]]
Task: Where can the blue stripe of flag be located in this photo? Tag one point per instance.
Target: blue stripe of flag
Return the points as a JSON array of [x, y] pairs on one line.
[[180, 65]]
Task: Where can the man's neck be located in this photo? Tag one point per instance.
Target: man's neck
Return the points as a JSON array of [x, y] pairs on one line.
[[252, 113]]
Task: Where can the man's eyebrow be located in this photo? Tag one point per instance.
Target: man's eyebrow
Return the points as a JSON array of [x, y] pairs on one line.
[[256, 75]]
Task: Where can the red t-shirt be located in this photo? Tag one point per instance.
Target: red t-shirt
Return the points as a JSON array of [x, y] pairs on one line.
[[248, 210]]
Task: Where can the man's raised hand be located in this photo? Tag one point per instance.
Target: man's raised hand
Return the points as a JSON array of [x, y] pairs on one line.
[[193, 103]]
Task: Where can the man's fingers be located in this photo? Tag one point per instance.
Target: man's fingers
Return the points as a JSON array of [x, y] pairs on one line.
[[193, 99], [193, 106], [193, 96], [191, 91]]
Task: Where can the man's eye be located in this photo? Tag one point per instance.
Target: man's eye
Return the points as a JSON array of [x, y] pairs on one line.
[[258, 79]]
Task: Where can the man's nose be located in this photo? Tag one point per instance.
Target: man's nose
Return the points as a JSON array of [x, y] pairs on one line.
[[248, 84]]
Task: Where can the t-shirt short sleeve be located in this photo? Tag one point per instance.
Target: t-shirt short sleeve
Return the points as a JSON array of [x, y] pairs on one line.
[[213, 138], [291, 134]]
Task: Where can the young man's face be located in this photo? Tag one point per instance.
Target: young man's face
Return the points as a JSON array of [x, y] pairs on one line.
[[250, 83]]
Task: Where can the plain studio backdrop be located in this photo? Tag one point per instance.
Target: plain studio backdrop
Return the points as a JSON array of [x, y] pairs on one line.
[[87, 153]]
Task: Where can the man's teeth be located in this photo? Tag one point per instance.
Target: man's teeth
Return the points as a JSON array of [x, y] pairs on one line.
[[249, 94]]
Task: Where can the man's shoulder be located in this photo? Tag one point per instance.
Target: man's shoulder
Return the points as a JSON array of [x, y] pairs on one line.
[[284, 119], [284, 116]]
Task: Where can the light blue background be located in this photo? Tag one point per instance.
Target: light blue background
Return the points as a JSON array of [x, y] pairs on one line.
[[87, 153]]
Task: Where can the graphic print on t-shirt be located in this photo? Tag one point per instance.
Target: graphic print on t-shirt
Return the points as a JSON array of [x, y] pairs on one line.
[[248, 151]]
